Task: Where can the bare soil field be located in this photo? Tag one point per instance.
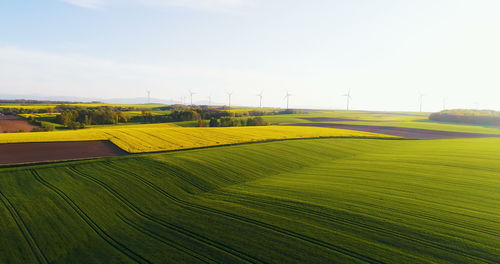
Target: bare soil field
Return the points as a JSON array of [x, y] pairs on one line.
[[410, 133], [12, 123], [19, 153]]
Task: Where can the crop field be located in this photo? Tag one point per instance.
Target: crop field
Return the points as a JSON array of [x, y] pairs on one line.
[[394, 119], [355, 115], [40, 115], [11, 123], [301, 201], [164, 137], [154, 113], [430, 126]]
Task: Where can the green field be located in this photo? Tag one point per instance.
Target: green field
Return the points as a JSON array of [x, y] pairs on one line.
[[355, 115], [430, 126], [300, 201], [408, 120]]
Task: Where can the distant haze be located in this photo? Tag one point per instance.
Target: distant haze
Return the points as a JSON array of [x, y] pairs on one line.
[[385, 52]]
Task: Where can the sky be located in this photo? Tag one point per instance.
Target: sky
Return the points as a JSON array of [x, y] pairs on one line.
[[385, 52]]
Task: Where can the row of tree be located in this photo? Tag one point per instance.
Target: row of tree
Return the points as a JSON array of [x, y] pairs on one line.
[[81, 117], [180, 115], [228, 121], [202, 113], [466, 116]]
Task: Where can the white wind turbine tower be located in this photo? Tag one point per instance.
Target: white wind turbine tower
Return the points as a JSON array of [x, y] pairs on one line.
[[348, 98], [260, 100], [421, 100], [149, 97], [287, 97], [191, 93], [209, 100], [229, 98], [444, 103]]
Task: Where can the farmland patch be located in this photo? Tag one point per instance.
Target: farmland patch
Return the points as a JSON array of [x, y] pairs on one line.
[[54, 151], [12, 123], [410, 133], [164, 137]]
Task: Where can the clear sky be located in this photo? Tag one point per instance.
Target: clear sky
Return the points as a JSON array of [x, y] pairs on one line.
[[385, 52]]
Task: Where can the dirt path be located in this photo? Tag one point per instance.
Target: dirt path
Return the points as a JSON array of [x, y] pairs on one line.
[[19, 153], [410, 133]]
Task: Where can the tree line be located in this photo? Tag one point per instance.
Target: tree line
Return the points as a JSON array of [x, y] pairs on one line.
[[180, 115], [466, 116], [217, 118], [228, 121], [76, 118]]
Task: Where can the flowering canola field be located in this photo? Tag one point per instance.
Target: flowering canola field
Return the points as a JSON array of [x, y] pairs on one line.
[[164, 137]]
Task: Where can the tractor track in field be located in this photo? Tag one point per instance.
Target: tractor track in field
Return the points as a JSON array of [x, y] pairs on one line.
[[166, 241], [427, 217], [194, 236], [24, 229], [286, 204], [423, 216], [96, 228], [260, 224]]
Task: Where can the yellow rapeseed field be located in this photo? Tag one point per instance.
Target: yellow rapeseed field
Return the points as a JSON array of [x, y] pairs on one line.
[[163, 137]]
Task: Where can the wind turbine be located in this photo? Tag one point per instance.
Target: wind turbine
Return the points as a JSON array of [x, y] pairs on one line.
[[287, 97], [191, 96], [421, 100], [229, 97], [209, 100], [348, 98], [149, 97], [260, 101], [444, 103]]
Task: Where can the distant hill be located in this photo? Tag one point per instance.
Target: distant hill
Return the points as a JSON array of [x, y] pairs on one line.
[[38, 99], [28, 101]]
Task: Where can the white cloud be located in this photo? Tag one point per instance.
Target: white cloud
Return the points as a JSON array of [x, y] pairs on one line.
[[194, 4]]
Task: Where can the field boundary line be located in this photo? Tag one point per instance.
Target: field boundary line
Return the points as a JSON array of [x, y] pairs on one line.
[[129, 154]]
